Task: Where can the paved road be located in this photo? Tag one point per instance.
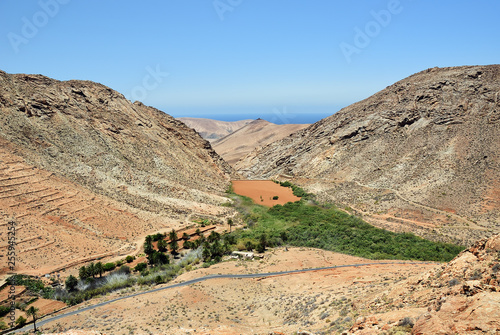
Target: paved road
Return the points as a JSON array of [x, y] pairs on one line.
[[197, 280]]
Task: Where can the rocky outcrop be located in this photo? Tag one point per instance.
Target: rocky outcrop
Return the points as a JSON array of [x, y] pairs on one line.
[[432, 138], [95, 137], [459, 297]]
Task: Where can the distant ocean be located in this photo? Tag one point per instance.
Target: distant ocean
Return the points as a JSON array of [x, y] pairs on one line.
[[277, 115]]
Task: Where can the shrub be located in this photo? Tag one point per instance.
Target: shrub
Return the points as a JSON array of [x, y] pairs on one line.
[[124, 269], [406, 322], [71, 283], [496, 267], [109, 266], [21, 321], [3, 325], [249, 245], [275, 197], [453, 282], [129, 259], [4, 310], [162, 245], [158, 236], [141, 266]]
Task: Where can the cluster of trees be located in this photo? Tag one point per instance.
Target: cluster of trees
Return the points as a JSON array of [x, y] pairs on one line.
[[328, 228], [215, 246], [91, 271]]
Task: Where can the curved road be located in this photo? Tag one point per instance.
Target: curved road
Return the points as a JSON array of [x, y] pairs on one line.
[[197, 280]]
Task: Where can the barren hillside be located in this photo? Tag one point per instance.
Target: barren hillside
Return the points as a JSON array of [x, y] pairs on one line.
[[212, 130], [79, 162], [420, 155], [256, 134]]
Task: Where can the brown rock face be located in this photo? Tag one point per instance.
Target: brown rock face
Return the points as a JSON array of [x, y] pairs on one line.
[[86, 174], [94, 136], [426, 143]]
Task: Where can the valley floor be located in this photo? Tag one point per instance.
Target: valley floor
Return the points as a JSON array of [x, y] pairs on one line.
[[326, 300]]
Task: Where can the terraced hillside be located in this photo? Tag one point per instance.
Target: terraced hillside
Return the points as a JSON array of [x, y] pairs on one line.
[[86, 174]]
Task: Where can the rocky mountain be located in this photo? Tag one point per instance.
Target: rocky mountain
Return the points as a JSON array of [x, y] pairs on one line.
[[420, 155], [257, 133], [78, 160], [212, 130]]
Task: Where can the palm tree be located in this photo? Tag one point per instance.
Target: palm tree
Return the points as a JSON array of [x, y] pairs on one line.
[[98, 268], [162, 245], [33, 311]]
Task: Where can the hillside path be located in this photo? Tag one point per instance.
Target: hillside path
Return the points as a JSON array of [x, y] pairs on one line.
[[42, 322]]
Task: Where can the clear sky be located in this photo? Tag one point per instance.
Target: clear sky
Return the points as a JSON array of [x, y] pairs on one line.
[[283, 60]]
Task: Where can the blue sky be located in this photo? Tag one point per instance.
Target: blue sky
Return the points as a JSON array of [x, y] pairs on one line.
[[282, 60]]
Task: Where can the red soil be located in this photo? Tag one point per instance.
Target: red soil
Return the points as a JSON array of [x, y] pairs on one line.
[[263, 191]]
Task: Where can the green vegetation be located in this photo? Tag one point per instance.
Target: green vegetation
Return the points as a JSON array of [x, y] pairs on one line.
[[21, 321], [33, 285], [129, 259], [4, 310], [297, 191], [307, 225], [34, 313], [71, 283]]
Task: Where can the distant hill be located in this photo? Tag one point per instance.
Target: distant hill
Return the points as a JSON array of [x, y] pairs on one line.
[[421, 155], [256, 134], [212, 130]]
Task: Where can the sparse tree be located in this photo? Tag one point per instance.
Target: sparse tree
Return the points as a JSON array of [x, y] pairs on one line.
[[33, 312], [83, 273], [206, 252], [172, 235], [162, 245], [99, 269], [174, 246], [148, 246], [158, 258], [91, 270], [140, 266], [21, 321], [214, 236], [230, 223], [71, 283], [186, 237], [198, 232]]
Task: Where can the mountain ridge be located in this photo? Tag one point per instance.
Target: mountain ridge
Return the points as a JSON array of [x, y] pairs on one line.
[[211, 129], [432, 137], [255, 134]]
